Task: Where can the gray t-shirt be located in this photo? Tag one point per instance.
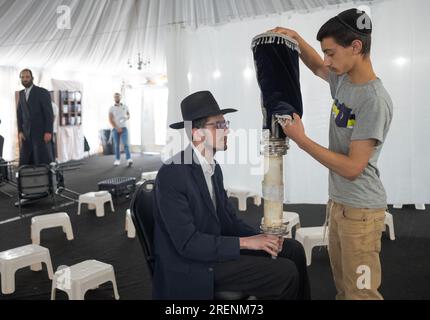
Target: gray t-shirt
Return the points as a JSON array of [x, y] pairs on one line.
[[119, 115], [359, 112]]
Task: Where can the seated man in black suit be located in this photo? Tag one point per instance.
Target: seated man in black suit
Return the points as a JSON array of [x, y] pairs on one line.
[[200, 245]]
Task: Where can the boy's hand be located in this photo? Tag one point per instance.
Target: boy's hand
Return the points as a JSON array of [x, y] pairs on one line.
[[289, 32]]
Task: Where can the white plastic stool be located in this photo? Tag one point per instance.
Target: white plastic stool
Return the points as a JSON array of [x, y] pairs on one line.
[[418, 206], [310, 238], [390, 224], [292, 218], [31, 255], [60, 219], [79, 278], [129, 226], [242, 195], [97, 200], [148, 175]]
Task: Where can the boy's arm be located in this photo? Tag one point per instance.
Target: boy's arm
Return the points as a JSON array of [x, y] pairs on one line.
[[348, 166]]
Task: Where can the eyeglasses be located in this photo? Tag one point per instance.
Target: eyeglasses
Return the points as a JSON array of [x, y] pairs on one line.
[[219, 124]]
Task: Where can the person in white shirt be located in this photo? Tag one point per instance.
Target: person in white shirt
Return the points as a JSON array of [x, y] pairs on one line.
[[118, 117]]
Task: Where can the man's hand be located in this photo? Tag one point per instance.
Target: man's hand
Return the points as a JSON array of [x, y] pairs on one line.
[[288, 32], [295, 130], [350, 166], [47, 137], [265, 242], [119, 130]]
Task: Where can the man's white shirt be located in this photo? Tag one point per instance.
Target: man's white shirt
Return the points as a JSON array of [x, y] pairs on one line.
[[119, 113], [208, 171], [27, 92]]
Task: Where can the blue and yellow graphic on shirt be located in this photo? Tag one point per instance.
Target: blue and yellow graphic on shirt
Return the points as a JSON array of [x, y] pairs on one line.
[[344, 118]]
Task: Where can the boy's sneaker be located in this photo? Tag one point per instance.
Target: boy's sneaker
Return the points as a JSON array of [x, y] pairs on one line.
[[129, 162], [116, 163]]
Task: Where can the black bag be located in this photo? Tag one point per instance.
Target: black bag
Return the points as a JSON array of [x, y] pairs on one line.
[[118, 186], [86, 145], [4, 172], [106, 141]]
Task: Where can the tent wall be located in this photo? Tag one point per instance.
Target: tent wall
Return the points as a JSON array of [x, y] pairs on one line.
[[220, 59]]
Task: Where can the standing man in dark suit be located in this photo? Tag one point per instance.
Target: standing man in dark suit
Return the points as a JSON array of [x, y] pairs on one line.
[[35, 122], [200, 245]]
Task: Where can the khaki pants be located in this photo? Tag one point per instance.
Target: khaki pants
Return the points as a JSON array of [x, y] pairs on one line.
[[354, 247]]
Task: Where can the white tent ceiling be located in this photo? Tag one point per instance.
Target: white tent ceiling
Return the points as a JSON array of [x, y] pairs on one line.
[[104, 34]]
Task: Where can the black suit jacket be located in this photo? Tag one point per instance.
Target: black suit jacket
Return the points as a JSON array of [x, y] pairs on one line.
[[190, 236], [35, 116]]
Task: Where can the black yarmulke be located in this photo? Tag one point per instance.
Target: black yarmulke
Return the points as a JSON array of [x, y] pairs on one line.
[[356, 20]]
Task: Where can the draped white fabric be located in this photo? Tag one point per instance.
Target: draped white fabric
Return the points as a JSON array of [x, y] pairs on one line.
[[70, 143], [99, 34], [156, 104], [220, 59], [198, 13], [147, 123], [70, 140], [9, 83], [177, 53]]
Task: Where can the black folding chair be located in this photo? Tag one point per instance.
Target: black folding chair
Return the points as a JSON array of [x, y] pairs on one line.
[[141, 209], [34, 183], [4, 169], [1, 146], [4, 176]]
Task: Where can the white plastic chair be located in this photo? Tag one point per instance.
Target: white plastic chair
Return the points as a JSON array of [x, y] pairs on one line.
[[60, 219], [242, 196], [418, 206], [31, 255], [314, 236], [311, 237], [293, 220], [129, 226], [390, 224], [148, 176], [76, 280], [96, 200]]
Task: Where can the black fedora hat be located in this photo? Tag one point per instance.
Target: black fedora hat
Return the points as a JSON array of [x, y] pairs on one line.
[[199, 105]]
